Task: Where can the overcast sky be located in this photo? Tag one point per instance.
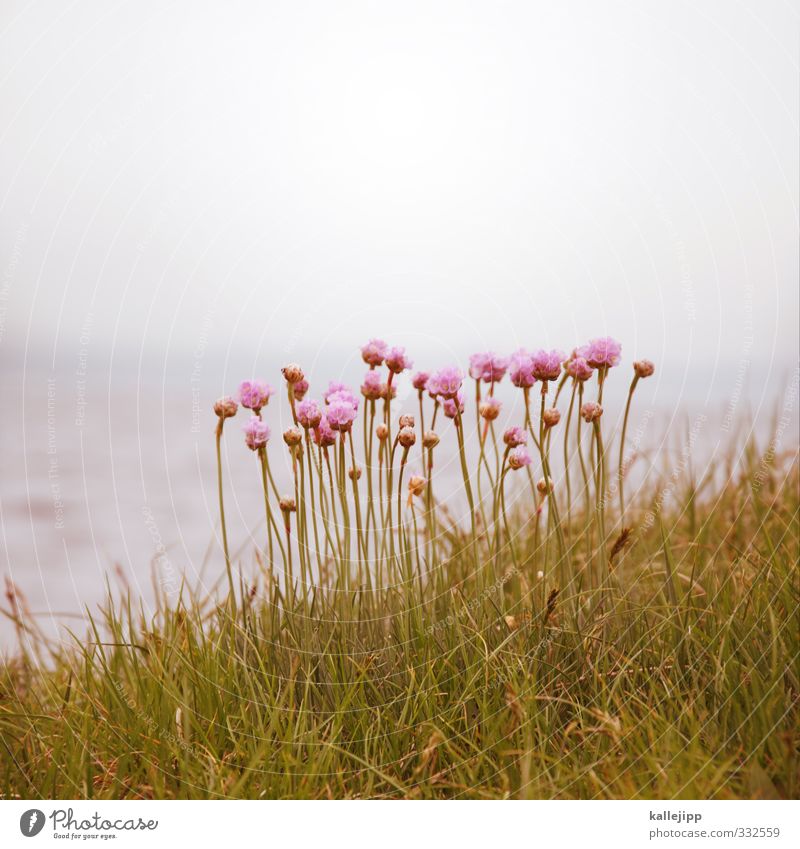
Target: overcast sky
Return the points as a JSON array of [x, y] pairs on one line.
[[286, 177]]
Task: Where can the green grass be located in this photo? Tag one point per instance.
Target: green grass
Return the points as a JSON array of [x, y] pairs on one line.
[[679, 680]]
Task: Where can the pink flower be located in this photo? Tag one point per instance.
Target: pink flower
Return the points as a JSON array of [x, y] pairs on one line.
[[323, 434], [308, 413], [488, 367], [374, 352], [515, 436], [601, 353], [397, 359], [591, 412], [578, 368], [254, 394], [372, 387], [453, 406], [445, 382], [300, 388], [521, 372], [340, 392], [519, 458], [490, 408], [340, 414], [420, 380], [256, 433], [547, 364]]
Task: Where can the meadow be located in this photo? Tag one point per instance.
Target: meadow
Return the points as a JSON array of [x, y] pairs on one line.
[[381, 643]]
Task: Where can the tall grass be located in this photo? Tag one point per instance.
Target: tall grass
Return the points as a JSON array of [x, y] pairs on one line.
[[679, 679]]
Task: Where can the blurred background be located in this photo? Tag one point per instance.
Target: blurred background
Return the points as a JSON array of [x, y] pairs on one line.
[[196, 193]]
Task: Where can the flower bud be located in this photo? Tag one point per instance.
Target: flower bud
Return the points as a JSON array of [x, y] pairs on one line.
[[406, 421], [293, 373], [430, 439], [551, 417], [490, 409], [381, 431], [225, 407], [416, 485], [357, 473], [287, 504], [293, 436], [406, 437], [643, 368], [591, 412], [542, 486], [515, 436]]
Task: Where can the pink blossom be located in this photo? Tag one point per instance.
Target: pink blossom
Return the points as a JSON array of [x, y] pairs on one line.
[[488, 367], [521, 372], [420, 380], [397, 360], [334, 386], [547, 364], [515, 436], [578, 368], [254, 394], [591, 411], [374, 352], [372, 387], [340, 392], [323, 434], [256, 433], [340, 414], [601, 353], [519, 458], [300, 388], [308, 413], [453, 406], [445, 382], [490, 408]]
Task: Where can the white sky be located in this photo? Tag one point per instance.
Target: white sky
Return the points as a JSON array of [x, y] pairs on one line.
[[293, 177]]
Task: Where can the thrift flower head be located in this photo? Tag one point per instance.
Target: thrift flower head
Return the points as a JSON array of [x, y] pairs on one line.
[[488, 367], [374, 352], [578, 368], [300, 388], [430, 439], [293, 436], [381, 431], [309, 413], [416, 485], [446, 382], [406, 420], [225, 407], [521, 369], [354, 473], [601, 353], [547, 364], [323, 434], [643, 368], [515, 436], [453, 406], [519, 458], [419, 380], [287, 504], [372, 387], [490, 409], [397, 360], [256, 433], [340, 414], [591, 412], [551, 417], [293, 373], [543, 487], [406, 437], [254, 394], [343, 395], [334, 386]]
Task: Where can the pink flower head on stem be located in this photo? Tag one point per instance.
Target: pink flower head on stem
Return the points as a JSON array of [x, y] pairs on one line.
[[578, 368], [341, 414], [515, 436], [453, 406], [445, 382], [519, 458], [323, 434], [643, 368], [521, 369], [225, 407], [397, 360], [420, 380], [300, 388], [256, 433], [547, 364], [490, 408], [334, 386], [372, 387], [340, 392], [488, 367], [374, 352], [601, 353], [591, 411], [308, 413], [254, 394]]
